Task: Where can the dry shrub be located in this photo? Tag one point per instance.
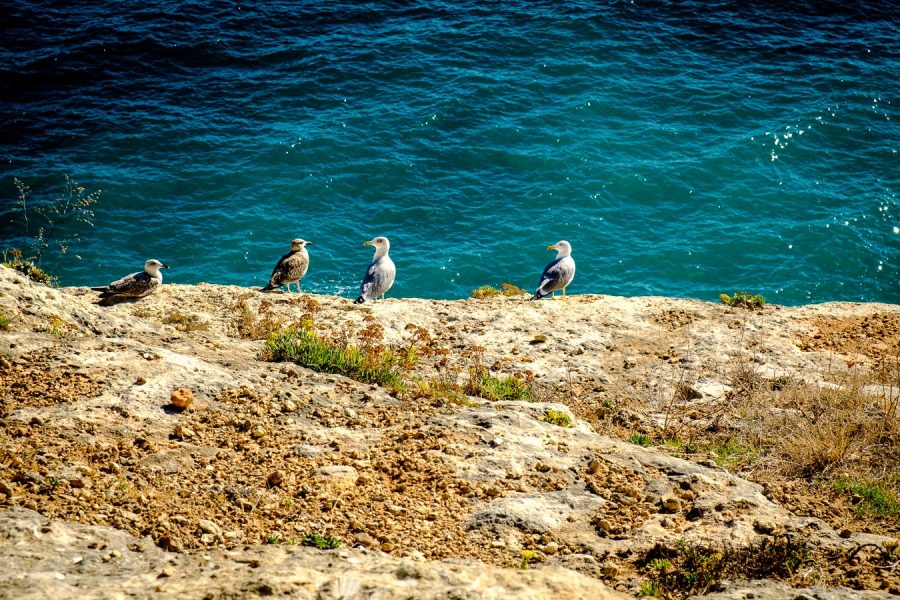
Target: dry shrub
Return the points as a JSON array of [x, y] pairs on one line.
[[256, 324], [812, 430]]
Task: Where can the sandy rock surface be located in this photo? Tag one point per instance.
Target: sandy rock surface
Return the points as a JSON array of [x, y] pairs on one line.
[[218, 495]]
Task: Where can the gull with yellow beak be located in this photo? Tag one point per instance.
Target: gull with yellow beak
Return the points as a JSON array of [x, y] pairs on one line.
[[559, 273], [380, 274]]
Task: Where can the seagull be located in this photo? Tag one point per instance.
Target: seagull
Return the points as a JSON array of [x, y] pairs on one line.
[[291, 267], [380, 274], [136, 285], [558, 274]]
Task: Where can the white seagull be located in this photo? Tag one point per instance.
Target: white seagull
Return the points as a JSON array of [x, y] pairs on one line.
[[558, 274], [380, 274], [136, 285]]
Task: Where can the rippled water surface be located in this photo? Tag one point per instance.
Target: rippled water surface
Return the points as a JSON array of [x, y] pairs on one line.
[[683, 149]]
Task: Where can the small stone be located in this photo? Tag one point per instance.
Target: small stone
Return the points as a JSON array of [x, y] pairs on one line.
[[605, 525], [140, 381], [183, 432], [275, 479], [671, 505], [366, 540], [289, 406], [337, 478], [846, 533], [387, 547], [595, 466], [765, 527], [210, 527], [182, 398], [551, 548], [694, 514], [258, 432], [609, 571]]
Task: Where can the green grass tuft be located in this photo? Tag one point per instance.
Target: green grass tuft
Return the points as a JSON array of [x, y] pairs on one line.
[[306, 348], [322, 542], [14, 260], [5, 322], [641, 439], [557, 417], [484, 385], [742, 299], [874, 499]]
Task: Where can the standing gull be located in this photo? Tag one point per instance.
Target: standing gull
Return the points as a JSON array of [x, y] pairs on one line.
[[380, 274], [559, 273], [291, 267], [136, 285]]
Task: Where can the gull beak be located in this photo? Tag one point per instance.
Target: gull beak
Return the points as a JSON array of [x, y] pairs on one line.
[[552, 247], [307, 243], [164, 266], [368, 244]]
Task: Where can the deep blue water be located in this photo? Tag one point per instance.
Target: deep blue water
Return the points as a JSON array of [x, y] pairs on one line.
[[684, 149]]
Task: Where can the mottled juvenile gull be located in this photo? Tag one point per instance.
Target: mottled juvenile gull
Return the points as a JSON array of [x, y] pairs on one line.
[[559, 273], [136, 285], [380, 274], [291, 267]]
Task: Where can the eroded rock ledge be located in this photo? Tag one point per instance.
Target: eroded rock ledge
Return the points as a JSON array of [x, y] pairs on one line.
[[431, 498]]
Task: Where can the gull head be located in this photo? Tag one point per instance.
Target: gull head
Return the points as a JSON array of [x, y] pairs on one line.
[[563, 248], [299, 244], [152, 266], [382, 245]]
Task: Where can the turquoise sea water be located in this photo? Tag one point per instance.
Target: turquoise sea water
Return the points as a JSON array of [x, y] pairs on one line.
[[684, 149]]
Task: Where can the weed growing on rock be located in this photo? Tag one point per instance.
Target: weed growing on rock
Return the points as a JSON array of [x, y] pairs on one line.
[[49, 224], [308, 349], [557, 417], [527, 556], [256, 324], [742, 299], [871, 498], [484, 385], [321, 541], [641, 439], [505, 289], [5, 322], [183, 322], [693, 569], [13, 259]]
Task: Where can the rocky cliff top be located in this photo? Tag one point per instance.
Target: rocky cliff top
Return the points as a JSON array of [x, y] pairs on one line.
[[606, 462]]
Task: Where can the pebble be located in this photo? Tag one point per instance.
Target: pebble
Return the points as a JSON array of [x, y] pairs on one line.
[[183, 432], [671, 505], [210, 527], [275, 478], [182, 398], [605, 525]]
